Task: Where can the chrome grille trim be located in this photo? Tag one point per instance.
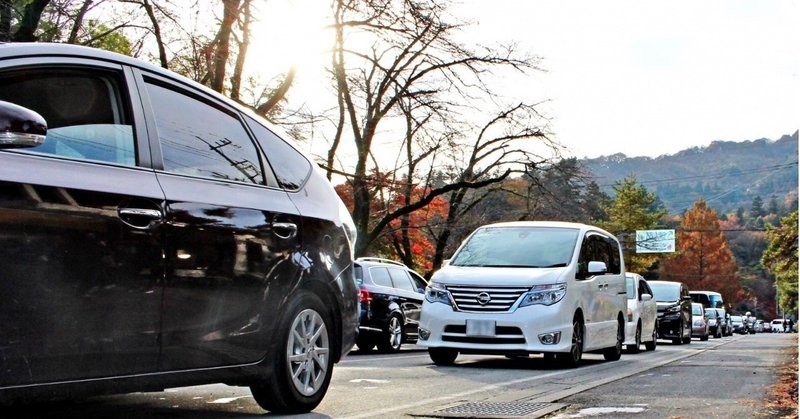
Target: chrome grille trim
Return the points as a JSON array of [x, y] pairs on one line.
[[502, 298]]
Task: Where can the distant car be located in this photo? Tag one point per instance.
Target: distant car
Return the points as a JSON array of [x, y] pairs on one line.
[[391, 300], [777, 326], [674, 310], [699, 322], [738, 325], [715, 322], [759, 326], [767, 327], [642, 315]]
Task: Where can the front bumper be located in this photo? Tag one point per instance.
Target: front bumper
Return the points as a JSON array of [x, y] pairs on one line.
[[516, 332], [669, 326]]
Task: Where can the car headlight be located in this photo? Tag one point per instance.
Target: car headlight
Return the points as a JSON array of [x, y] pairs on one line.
[[674, 309], [547, 295], [698, 323], [437, 294]]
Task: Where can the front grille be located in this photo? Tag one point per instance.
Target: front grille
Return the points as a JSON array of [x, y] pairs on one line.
[[500, 299], [503, 335]]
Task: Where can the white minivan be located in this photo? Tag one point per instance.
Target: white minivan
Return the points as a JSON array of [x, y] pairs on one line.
[[528, 287]]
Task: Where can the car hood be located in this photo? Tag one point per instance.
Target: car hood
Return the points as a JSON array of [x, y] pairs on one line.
[[492, 276]]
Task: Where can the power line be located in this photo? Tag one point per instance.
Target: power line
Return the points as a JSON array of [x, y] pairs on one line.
[[717, 175]]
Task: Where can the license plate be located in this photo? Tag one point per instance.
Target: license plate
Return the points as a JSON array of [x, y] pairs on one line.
[[480, 327]]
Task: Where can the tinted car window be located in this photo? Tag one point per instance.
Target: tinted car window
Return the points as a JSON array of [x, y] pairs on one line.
[[380, 276], [665, 292], [597, 248], [201, 140], [401, 280], [290, 167], [85, 112]]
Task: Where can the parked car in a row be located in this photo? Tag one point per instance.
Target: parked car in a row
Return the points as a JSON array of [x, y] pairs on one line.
[[674, 310], [699, 322], [528, 287], [641, 326], [391, 300], [156, 234]]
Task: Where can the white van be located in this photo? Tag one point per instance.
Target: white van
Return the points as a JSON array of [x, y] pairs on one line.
[[528, 287]]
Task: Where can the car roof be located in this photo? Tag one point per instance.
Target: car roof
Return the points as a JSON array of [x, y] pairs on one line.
[[547, 224], [666, 282]]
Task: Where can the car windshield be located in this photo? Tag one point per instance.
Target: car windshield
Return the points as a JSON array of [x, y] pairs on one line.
[[737, 319], [697, 310], [712, 314], [665, 292], [518, 246]]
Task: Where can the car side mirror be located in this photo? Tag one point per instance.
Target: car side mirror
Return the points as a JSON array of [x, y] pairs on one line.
[[20, 127], [686, 298], [646, 297], [597, 268]]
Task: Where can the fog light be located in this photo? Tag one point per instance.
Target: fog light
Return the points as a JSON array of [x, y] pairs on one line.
[[550, 338], [424, 334]]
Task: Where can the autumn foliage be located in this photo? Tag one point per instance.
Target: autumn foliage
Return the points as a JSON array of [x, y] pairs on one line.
[[406, 239], [703, 260]]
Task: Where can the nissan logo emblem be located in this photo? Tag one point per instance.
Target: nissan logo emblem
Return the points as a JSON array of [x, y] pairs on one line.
[[483, 298]]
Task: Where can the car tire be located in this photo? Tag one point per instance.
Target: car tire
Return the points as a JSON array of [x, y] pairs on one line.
[[614, 353], [572, 358], [443, 356], [651, 346], [679, 339], [688, 339], [303, 362], [392, 336], [637, 340]]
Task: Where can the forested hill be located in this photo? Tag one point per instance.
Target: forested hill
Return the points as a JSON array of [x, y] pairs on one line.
[[728, 175]]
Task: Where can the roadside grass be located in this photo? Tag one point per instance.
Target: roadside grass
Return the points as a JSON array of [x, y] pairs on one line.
[[781, 398]]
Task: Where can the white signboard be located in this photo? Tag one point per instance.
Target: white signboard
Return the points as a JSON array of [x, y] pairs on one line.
[[655, 241]]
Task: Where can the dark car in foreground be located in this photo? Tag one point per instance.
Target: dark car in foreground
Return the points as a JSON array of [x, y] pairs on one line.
[[156, 234], [391, 301], [674, 310]]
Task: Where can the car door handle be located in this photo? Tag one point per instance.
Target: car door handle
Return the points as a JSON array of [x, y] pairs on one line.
[[141, 218], [284, 230]]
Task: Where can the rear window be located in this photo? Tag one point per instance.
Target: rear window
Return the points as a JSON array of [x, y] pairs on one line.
[[518, 247]]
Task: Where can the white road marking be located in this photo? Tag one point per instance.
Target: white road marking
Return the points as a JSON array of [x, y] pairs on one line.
[[225, 400]]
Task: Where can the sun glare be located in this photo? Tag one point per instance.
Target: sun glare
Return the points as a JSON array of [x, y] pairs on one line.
[[289, 33]]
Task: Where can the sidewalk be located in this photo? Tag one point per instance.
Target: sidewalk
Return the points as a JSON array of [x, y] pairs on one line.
[[733, 380]]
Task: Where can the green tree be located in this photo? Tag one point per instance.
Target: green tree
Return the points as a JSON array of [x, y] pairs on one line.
[[757, 208], [633, 208], [781, 259]]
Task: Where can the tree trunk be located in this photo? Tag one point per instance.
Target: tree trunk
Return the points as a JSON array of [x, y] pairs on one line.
[[236, 80], [222, 50], [5, 20], [30, 21], [78, 24]]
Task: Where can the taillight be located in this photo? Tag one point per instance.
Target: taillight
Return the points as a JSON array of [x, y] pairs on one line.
[[365, 296]]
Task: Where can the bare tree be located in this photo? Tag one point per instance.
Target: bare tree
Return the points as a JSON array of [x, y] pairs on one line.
[[396, 55]]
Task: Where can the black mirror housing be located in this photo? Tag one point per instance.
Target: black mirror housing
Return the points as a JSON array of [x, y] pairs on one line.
[[20, 127]]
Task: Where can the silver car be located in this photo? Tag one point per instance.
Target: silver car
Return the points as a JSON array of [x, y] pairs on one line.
[[642, 315], [699, 322]]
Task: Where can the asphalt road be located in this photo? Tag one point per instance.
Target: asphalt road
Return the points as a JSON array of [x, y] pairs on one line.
[[718, 378]]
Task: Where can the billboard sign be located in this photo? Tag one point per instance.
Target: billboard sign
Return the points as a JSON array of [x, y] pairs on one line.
[[655, 241]]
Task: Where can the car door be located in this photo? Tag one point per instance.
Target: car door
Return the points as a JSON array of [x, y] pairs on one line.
[[408, 297], [80, 228], [603, 295], [231, 235], [648, 308]]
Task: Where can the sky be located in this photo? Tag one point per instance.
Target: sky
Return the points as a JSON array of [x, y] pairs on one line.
[[648, 78], [642, 78]]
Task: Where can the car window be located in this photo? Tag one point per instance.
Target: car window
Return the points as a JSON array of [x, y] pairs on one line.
[[401, 279], [598, 248], [523, 247], [201, 140], [630, 290], [380, 276], [419, 283], [86, 111], [291, 168], [712, 314], [665, 292], [645, 288], [697, 310], [359, 274]]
